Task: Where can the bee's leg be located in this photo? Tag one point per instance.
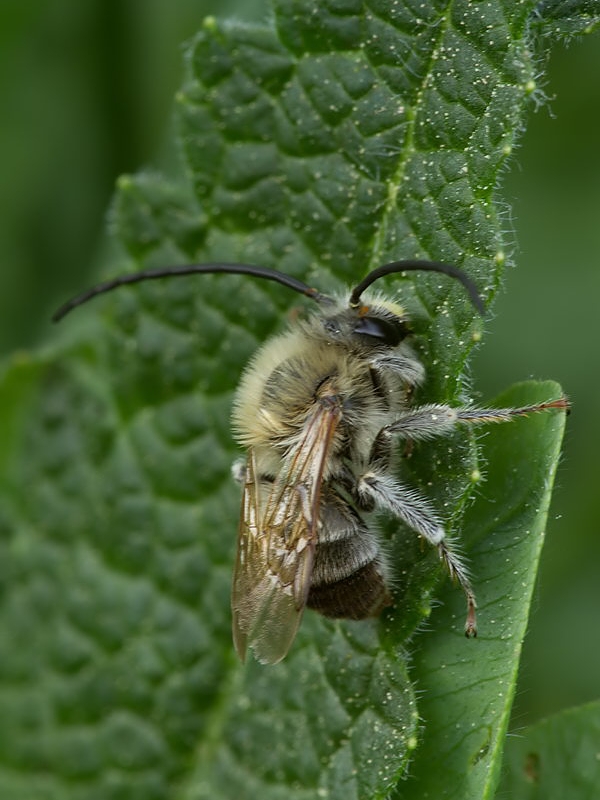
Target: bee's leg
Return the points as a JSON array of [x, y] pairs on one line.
[[429, 421], [407, 505], [421, 422], [239, 470], [406, 367]]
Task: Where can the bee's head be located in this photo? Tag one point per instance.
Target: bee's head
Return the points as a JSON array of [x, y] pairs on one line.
[[381, 324]]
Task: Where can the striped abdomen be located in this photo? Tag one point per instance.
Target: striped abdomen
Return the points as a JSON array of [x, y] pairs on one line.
[[349, 574]]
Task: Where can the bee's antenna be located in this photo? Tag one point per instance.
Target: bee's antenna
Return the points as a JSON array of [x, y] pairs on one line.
[[188, 269], [424, 266]]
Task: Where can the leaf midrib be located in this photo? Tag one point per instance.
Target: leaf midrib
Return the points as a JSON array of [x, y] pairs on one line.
[[408, 150]]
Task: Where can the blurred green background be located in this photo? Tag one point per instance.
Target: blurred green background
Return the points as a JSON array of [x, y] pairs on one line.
[[86, 90]]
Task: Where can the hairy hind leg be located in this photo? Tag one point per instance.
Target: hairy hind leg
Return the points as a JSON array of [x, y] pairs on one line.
[[407, 505]]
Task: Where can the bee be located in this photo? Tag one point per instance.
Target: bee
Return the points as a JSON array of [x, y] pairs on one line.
[[320, 410]]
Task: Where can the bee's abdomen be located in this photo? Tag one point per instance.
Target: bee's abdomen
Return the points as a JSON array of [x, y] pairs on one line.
[[348, 579], [361, 594]]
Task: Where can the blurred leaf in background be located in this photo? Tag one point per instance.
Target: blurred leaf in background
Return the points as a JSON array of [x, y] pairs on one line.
[[555, 758], [86, 92]]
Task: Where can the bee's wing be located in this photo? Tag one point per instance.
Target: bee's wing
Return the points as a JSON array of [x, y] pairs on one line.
[[276, 545]]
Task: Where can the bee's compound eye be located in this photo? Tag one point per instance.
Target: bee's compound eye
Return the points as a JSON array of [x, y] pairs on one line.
[[386, 331]]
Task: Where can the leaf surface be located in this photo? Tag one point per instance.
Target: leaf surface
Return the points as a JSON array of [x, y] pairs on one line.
[[323, 145], [555, 758], [468, 687]]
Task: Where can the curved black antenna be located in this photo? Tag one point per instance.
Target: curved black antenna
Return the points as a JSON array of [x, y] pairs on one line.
[[189, 269], [423, 266]]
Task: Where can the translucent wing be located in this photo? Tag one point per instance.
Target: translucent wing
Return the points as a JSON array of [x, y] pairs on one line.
[[277, 538]]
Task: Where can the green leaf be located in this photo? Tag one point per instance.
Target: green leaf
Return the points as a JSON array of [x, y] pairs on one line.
[[556, 758], [324, 145], [566, 18], [468, 688]]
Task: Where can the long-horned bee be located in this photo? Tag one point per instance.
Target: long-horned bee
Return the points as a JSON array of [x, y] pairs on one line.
[[320, 409]]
